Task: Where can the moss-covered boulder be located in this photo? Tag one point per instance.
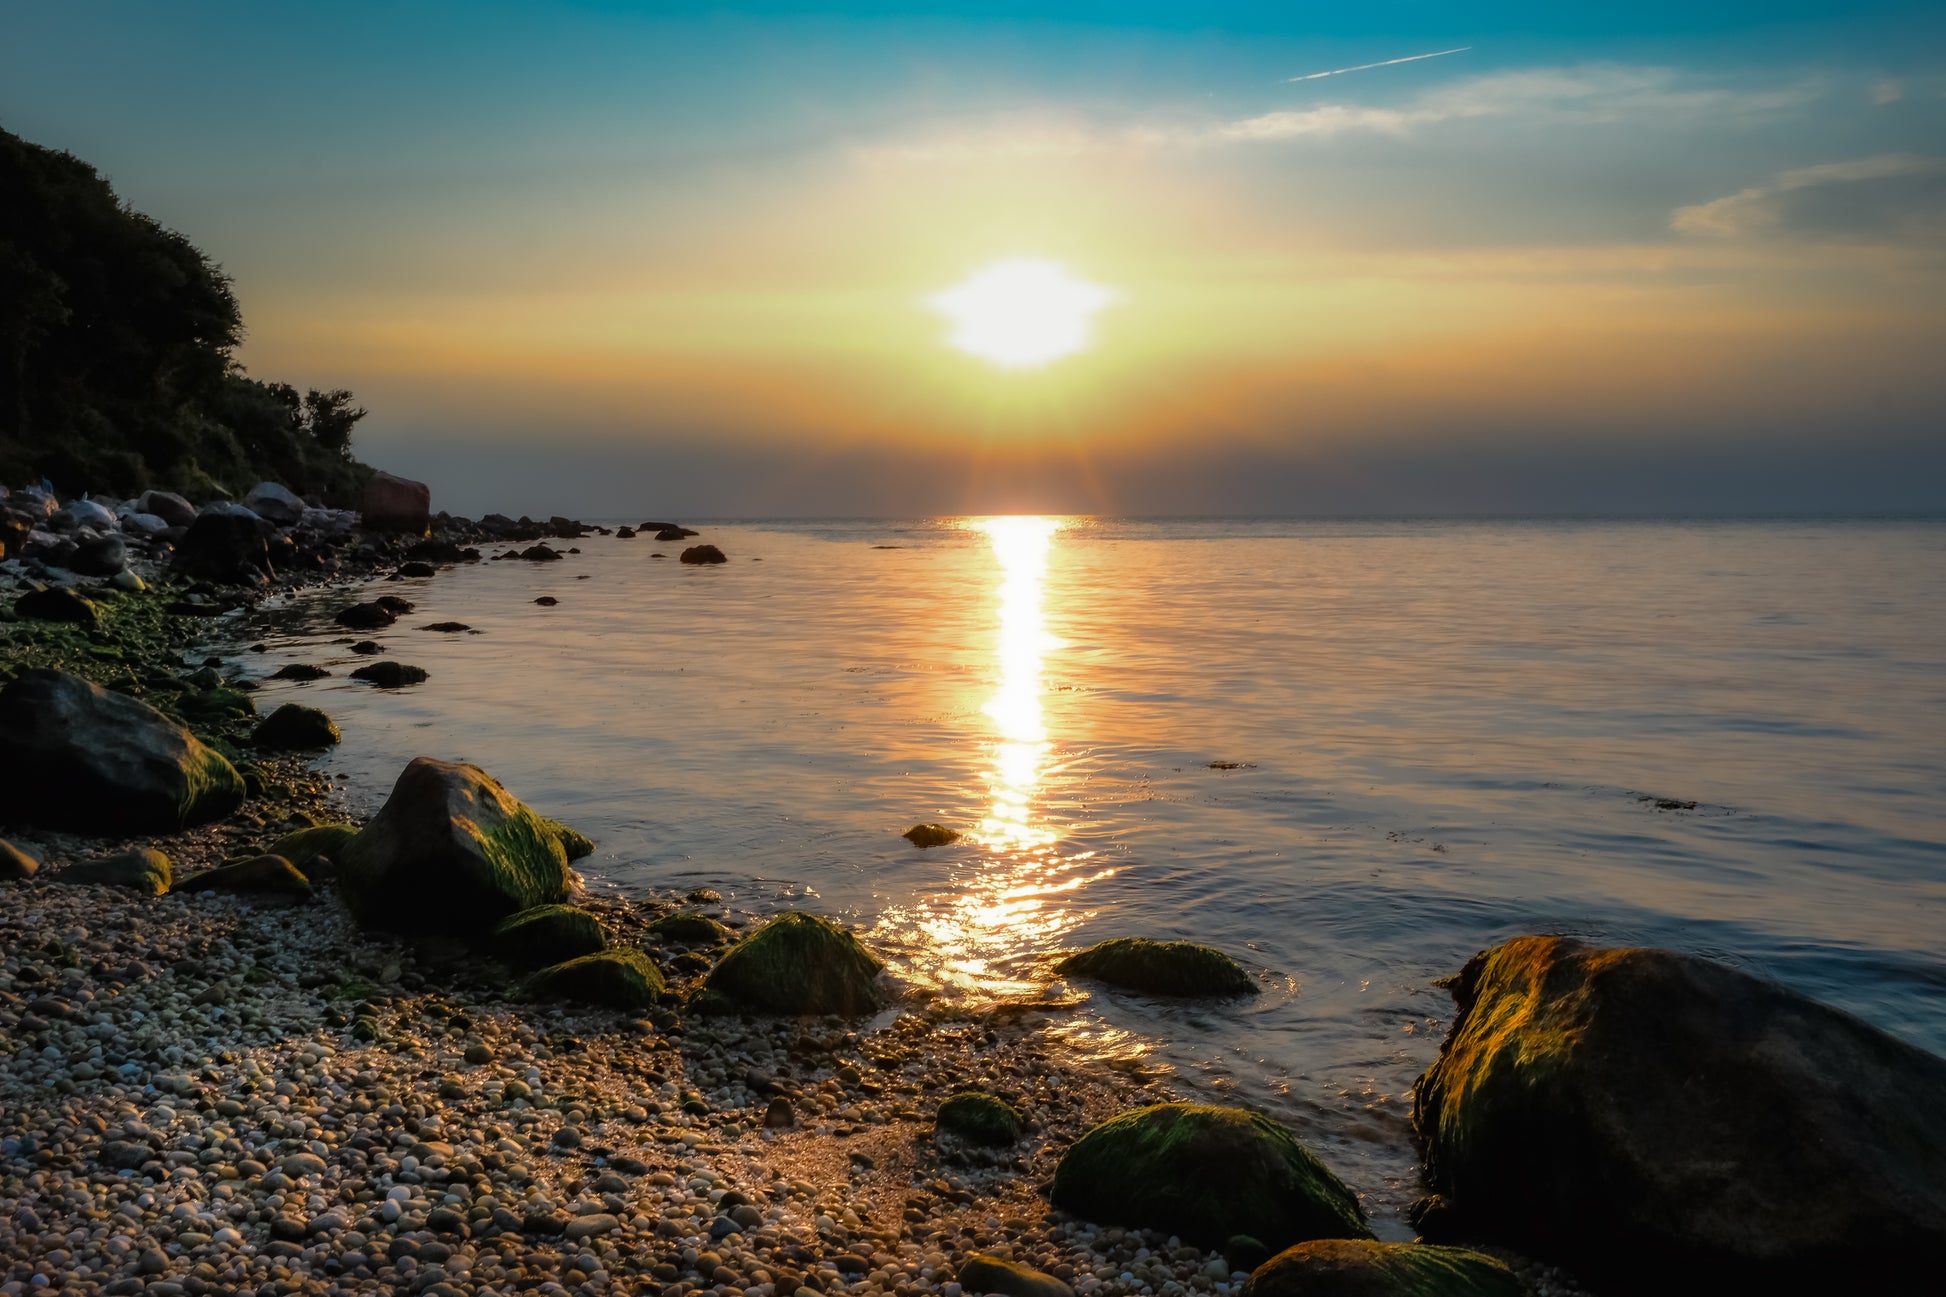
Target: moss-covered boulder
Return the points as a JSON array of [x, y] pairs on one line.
[[546, 934], [16, 864], [75, 756], [1343, 1267], [796, 964], [687, 928], [980, 1119], [1205, 1173], [613, 979], [1180, 968], [1655, 1121], [390, 675], [930, 835], [144, 870], [992, 1274], [577, 844], [315, 851], [214, 706], [267, 875], [295, 728], [451, 852]]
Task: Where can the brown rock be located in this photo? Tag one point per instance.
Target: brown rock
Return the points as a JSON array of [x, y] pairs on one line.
[[397, 504]]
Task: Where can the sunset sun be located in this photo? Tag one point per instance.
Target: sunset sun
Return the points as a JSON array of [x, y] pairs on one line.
[[1022, 313]]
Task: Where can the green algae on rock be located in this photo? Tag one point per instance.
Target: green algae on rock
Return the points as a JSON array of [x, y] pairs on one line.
[[1343, 1267], [612, 979], [576, 843], [1205, 1173], [979, 1118], [991, 1274], [796, 964], [144, 869], [451, 851], [310, 849], [546, 934], [390, 675], [294, 728], [270, 875], [687, 928], [1179, 968], [930, 835]]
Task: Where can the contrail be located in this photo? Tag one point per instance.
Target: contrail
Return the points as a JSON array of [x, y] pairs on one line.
[[1410, 58]]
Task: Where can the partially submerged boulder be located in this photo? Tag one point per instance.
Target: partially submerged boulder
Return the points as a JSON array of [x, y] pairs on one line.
[[612, 979], [390, 675], [75, 756], [451, 851], [1657, 1120], [144, 869], [295, 728], [576, 843], [315, 852], [980, 1119], [397, 504], [1344, 1267], [1207, 1174], [266, 875], [930, 835], [546, 934], [796, 964], [1181, 968], [703, 554], [370, 615]]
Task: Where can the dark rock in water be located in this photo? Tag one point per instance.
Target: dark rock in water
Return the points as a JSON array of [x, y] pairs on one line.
[[295, 728], [666, 531], [274, 503], [416, 568], [269, 875], [1159, 967], [393, 604], [436, 551], [227, 546], [314, 852], [613, 979], [448, 627], [144, 870], [168, 506], [547, 601], [74, 756], [546, 934], [690, 929], [703, 554], [390, 675], [397, 504], [1207, 1174], [366, 616], [990, 1274], [796, 964], [1343, 1267], [102, 556], [16, 864], [367, 648], [930, 835], [576, 843], [540, 554], [1655, 1121], [703, 896], [980, 1118], [56, 603], [215, 706], [451, 851], [300, 671], [624, 533]]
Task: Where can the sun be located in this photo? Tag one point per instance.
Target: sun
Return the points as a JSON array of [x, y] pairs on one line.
[[1022, 313]]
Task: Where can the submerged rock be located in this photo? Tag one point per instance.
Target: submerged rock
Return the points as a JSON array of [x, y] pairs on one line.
[[930, 835], [270, 875], [547, 934], [449, 627], [1342, 1267], [981, 1119], [990, 1274], [1159, 967], [1207, 1174], [1649, 1118], [796, 964], [144, 870], [294, 728], [703, 554], [451, 851], [613, 979], [300, 671], [75, 756], [366, 616], [390, 675], [315, 852], [367, 648]]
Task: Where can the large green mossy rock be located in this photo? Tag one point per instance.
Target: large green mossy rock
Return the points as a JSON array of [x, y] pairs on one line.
[[1207, 1174], [612, 979], [546, 934], [1180, 968], [75, 756], [1656, 1121], [295, 728], [451, 852], [143, 870], [315, 851], [796, 964], [268, 875], [980, 1119], [1343, 1267]]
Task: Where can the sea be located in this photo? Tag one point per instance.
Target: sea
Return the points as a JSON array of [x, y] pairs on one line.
[[1351, 753]]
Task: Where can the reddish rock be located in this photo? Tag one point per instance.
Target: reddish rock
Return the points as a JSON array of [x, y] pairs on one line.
[[397, 504]]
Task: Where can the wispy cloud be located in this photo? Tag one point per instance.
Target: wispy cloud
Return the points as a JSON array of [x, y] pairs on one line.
[[1384, 63], [1893, 193]]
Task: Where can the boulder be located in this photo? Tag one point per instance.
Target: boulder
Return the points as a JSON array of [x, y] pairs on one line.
[[57, 603], [397, 504], [1159, 967], [269, 875], [135, 523], [1344, 1267], [612, 979], [435, 551], [74, 756], [576, 843], [390, 675], [796, 964], [314, 852], [368, 648], [447, 627], [703, 554], [224, 544], [168, 506], [690, 929], [451, 851], [980, 1119], [100, 556], [930, 835], [144, 869], [990, 1274], [82, 513], [667, 531], [367, 616], [546, 934], [295, 728], [299, 671], [274, 504], [1655, 1120], [214, 706], [16, 864], [417, 568], [540, 554], [1206, 1174]]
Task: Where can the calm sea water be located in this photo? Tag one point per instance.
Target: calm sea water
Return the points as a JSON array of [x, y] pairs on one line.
[[1352, 754]]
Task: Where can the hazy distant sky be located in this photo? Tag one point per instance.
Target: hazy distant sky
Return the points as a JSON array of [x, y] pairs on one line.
[[611, 259]]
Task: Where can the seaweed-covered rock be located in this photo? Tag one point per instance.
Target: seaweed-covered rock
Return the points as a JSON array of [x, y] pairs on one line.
[[57, 603], [268, 875], [547, 934], [144, 869], [687, 928], [703, 554], [1205, 1173], [576, 843], [451, 851], [979, 1118], [1159, 967], [796, 964], [315, 852], [1344, 1267], [390, 675], [372, 615], [16, 864], [295, 727], [990, 1274], [613, 979], [75, 756], [1658, 1121], [930, 835]]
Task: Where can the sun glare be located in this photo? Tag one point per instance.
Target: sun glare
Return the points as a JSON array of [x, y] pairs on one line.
[[1022, 313]]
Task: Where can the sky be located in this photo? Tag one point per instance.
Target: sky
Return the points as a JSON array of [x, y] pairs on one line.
[[610, 259]]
